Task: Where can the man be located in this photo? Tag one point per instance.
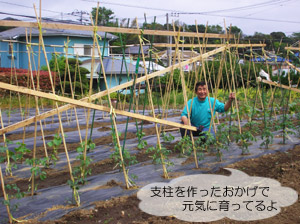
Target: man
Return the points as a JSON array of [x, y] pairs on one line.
[[200, 115]]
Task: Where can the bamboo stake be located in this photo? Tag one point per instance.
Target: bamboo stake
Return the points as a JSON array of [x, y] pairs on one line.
[[272, 91], [205, 45], [241, 72], [8, 165], [90, 93], [92, 106], [278, 85], [81, 87], [112, 112], [17, 83], [36, 104], [162, 157], [168, 96], [234, 89], [75, 193], [259, 94], [72, 92], [35, 123], [186, 100], [297, 69], [4, 193], [204, 74]]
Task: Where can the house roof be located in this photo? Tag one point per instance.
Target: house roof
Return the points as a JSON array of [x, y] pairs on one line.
[[20, 32], [186, 54], [135, 49], [114, 66], [272, 59]]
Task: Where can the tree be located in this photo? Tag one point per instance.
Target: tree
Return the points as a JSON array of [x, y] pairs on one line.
[[105, 16], [215, 29], [201, 28], [277, 36], [59, 65], [296, 36], [235, 30]]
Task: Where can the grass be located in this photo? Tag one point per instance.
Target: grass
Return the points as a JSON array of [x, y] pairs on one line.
[[14, 102]]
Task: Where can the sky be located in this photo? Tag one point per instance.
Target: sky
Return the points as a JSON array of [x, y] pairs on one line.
[[250, 16]]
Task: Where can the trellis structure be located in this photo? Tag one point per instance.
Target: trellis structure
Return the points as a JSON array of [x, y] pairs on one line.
[[225, 52]]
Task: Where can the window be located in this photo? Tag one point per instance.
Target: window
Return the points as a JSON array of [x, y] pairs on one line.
[[87, 50]]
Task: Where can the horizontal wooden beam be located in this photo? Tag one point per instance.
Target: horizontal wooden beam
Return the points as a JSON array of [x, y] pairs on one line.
[[42, 116], [207, 45], [293, 66], [111, 29], [277, 84], [79, 103], [292, 48]]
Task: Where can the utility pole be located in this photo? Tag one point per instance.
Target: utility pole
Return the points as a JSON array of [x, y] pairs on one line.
[[80, 14]]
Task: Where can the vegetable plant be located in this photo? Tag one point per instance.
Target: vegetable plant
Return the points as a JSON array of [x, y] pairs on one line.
[[128, 159], [184, 146], [243, 140], [55, 143], [156, 157], [13, 156], [142, 143], [267, 137], [81, 172], [167, 137]]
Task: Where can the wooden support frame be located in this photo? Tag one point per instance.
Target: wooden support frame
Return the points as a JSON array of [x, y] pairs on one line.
[[108, 29], [105, 92], [292, 48], [91, 106], [293, 66], [258, 79], [207, 45]]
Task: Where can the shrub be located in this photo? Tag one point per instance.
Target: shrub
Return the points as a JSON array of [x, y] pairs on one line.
[[24, 79]]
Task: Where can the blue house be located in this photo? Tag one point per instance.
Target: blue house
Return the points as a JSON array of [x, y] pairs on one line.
[[79, 42], [116, 72]]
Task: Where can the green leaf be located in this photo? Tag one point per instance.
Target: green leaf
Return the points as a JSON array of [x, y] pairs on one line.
[[57, 142]]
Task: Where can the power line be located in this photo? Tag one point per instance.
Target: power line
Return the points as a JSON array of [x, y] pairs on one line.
[[263, 4], [25, 6], [209, 13], [43, 18], [259, 19]]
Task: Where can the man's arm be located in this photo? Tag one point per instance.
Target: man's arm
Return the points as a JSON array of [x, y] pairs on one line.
[[185, 120], [228, 104]]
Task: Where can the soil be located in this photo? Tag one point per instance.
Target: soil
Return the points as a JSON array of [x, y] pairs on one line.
[[56, 178], [282, 166]]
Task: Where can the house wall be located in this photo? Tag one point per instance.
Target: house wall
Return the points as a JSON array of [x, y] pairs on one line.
[[9, 60], [113, 80], [20, 55]]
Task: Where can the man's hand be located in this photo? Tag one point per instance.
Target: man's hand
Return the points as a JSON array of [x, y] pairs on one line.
[[200, 128], [232, 96]]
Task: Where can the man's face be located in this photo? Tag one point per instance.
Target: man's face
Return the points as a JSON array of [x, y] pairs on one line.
[[201, 92]]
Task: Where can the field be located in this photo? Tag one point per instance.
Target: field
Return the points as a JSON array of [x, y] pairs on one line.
[[104, 183], [84, 150]]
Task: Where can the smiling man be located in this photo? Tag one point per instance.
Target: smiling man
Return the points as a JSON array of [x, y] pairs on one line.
[[200, 115]]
